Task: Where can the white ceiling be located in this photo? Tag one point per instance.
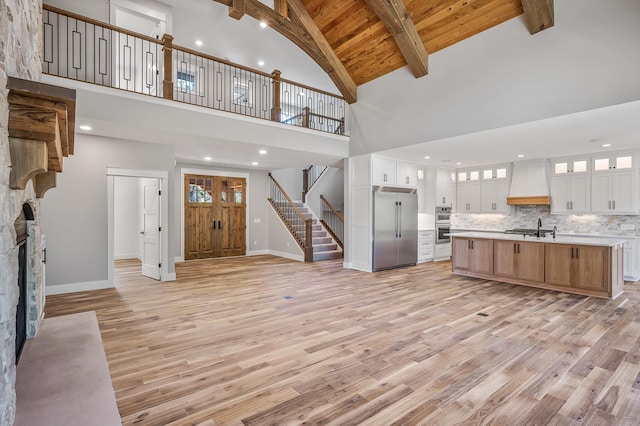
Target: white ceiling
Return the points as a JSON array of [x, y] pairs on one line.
[[580, 133]]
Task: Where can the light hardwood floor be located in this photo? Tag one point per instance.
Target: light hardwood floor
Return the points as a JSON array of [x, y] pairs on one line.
[[265, 340]]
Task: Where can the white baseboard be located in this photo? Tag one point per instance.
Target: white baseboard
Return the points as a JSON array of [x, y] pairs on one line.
[[257, 252], [126, 256], [76, 287], [299, 258], [169, 277], [178, 259]]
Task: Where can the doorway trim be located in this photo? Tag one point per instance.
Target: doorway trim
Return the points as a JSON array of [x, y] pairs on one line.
[[163, 177], [208, 172]]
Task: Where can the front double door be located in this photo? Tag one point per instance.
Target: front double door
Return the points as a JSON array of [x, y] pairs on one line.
[[215, 220]]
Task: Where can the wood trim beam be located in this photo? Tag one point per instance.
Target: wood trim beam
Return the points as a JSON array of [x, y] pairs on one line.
[[305, 34], [281, 7], [236, 9], [396, 18], [539, 14]]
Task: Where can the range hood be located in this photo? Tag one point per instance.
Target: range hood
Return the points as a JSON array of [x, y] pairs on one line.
[[530, 183]]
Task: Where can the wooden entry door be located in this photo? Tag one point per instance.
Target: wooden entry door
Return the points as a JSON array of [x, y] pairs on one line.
[[214, 209]]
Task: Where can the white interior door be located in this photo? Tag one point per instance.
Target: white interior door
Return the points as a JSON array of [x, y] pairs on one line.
[[151, 230]]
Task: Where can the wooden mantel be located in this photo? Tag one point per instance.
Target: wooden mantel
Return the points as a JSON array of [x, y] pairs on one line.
[[41, 132]]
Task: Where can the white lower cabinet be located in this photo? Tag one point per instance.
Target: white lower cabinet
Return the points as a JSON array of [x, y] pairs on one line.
[[425, 246]]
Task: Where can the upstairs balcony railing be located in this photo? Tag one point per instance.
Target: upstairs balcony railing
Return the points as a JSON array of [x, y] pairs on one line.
[[81, 48]]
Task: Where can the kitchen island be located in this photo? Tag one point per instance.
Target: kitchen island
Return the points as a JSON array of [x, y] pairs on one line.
[[586, 266]]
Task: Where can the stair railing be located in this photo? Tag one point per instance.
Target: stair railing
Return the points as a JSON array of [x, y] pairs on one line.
[[309, 177], [332, 221], [299, 226]]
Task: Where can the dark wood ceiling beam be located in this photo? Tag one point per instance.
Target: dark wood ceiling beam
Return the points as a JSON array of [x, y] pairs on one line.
[[396, 18], [307, 36], [236, 9], [538, 14], [336, 69]]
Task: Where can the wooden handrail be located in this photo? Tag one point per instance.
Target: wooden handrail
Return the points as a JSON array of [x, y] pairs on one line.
[[324, 92], [333, 209], [325, 117], [223, 61], [292, 118], [298, 212], [99, 23]]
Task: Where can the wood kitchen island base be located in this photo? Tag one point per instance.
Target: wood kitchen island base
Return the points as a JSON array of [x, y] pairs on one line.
[[586, 267]]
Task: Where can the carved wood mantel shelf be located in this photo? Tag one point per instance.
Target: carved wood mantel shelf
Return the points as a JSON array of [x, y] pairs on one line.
[[41, 132]]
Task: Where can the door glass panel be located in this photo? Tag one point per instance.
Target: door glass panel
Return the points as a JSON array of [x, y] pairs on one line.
[[487, 174], [561, 168], [224, 191], [624, 162], [601, 164], [580, 166], [501, 173], [200, 190]]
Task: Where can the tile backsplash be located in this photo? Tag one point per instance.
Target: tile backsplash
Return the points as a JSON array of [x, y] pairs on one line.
[[527, 217]]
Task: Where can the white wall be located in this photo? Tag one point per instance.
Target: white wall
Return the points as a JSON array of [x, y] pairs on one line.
[[331, 185], [291, 181], [126, 218], [505, 76], [74, 214]]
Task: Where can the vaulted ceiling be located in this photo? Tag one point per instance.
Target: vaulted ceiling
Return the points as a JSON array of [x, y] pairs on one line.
[[356, 41]]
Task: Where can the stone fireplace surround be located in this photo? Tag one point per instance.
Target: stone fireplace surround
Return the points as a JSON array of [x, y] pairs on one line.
[[21, 39]]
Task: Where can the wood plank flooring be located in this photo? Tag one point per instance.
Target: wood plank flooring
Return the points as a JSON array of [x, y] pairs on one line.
[[264, 340]]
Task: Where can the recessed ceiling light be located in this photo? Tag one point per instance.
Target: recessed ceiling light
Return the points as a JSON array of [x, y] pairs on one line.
[[261, 63], [426, 157], [263, 151], [198, 42], [458, 164], [263, 24], [207, 158], [254, 163], [520, 155], [85, 127], [606, 145]]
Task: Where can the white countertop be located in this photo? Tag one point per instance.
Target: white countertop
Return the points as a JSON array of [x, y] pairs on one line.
[[560, 239]]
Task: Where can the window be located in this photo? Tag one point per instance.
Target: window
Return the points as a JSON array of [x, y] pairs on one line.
[[186, 82], [200, 190]]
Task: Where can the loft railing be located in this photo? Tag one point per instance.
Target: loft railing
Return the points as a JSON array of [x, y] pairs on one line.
[[332, 221], [300, 226], [309, 177], [84, 49]]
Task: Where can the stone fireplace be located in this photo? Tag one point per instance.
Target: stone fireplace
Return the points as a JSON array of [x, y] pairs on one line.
[[37, 124]]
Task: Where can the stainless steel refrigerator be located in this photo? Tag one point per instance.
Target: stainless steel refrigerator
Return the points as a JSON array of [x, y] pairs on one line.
[[395, 227]]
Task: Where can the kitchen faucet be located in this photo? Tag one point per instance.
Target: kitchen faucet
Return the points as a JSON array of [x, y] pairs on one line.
[[539, 226]]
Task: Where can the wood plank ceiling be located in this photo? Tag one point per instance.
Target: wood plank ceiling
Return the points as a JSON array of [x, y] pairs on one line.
[[357, 41]]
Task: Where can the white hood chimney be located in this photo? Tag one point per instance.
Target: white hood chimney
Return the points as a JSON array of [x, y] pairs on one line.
[[530, 183]]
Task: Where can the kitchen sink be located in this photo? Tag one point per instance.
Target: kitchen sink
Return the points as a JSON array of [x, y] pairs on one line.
[[531, 232]]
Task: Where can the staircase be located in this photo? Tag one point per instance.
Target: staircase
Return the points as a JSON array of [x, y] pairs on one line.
[[324, 248]]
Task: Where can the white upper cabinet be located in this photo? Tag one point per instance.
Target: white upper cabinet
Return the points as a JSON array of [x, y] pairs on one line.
[[446, 188], [495, 189], [406, 174], [468, 191], [570, 193], [383, 171], [574, 165], [389, 172], [614, 184]]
